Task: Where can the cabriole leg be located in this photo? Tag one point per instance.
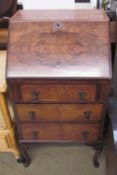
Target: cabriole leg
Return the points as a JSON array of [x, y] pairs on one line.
[[24, 158], [99, 149]]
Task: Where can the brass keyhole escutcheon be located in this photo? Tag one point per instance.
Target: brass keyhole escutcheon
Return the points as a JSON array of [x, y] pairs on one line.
[[58, 26]]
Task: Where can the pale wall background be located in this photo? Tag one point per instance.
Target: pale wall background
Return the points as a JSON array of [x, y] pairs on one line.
[[56, 4]]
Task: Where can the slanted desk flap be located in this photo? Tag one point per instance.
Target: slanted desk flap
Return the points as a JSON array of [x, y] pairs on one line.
[[59, 44]]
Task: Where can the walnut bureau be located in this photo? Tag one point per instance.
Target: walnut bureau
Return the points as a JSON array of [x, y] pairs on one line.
[[59, 71]]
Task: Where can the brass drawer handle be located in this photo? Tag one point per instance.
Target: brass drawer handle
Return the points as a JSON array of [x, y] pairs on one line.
[[35, 135], [82, 96], [32, 115], [85, 135], [87, 115], [35, 95]]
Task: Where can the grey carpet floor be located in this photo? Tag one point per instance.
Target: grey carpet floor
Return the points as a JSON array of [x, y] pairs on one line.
[[54, 160]]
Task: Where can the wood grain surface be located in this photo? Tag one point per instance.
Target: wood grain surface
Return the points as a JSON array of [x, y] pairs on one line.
[[59, 112], [56, 44], [65, 132], [70, 15], [58, 92]]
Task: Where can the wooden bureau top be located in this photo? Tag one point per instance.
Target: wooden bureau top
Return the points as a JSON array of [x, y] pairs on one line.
[[50, 15], [59, 44]]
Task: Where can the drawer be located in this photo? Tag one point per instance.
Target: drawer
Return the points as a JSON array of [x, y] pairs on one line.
[[60, 132], [80, 93], [59, 112]]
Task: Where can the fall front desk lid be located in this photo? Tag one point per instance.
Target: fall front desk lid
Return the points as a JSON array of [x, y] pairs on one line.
[[59, 44]]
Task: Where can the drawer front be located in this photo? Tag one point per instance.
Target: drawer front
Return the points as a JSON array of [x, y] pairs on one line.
[[80, 93], [59, 132], [59, 112]]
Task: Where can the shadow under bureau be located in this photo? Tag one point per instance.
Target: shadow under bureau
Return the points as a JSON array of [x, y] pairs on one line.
[[59, 72]]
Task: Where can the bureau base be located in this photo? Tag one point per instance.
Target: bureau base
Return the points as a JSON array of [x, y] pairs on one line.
[[24, 146]]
